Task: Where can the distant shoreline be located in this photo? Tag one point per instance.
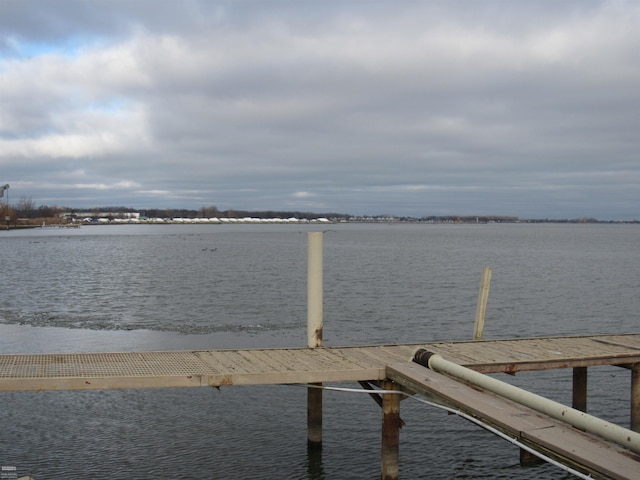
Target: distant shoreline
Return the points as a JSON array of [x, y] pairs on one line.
[[292, 221]]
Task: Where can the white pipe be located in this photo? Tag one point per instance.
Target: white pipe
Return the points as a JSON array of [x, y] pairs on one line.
[[609, 431], [314, 290]]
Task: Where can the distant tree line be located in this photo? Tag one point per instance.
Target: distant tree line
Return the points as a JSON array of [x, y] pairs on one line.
[[209, 212], [471, 219], [26, 209]]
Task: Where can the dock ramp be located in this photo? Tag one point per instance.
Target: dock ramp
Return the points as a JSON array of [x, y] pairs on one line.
[[559, 441]]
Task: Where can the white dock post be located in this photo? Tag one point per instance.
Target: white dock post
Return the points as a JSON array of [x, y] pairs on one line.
[[481, 309], [314, 290], [314, 334]]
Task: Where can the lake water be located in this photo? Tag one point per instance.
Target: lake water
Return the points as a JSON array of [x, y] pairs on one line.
[[166, 287]]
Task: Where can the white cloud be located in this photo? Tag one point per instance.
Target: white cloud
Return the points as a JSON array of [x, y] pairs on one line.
[[304, 194]]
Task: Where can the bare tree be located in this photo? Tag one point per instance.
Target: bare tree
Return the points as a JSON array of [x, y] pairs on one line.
[[25, 208]]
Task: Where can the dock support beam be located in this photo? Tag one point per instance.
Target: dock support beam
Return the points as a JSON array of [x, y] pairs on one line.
[[314, 417], [635, 397], [314, 334], [580, 389], [390, 433]]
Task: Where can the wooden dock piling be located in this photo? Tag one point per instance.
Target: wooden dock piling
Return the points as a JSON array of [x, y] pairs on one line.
[[390, 433], [579, 401], [314, 416], [314, 334], [635, 397]]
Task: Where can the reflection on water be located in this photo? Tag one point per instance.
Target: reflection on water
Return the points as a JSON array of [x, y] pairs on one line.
[[315, 470]]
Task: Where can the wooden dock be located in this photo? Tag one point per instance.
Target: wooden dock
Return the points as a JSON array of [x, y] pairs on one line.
[[91, 371], [383, 365]]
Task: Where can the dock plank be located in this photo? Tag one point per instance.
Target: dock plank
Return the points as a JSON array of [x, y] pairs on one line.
[[604, 458]]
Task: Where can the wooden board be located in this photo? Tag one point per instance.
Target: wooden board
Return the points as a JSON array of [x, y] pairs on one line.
[[560, 441], [513, 355]]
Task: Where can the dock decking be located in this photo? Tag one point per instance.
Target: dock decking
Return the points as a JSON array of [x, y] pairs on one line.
[[91, 371], [386, 365]]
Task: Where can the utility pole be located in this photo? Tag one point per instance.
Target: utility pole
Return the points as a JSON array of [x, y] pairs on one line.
[[2, 189]]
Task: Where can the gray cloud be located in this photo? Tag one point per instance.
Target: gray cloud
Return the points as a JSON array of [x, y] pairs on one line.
[[416, 108]]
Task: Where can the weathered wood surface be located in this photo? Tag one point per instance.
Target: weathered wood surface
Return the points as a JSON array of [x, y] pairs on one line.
[[558, 440], [542, 353], [73, 371]]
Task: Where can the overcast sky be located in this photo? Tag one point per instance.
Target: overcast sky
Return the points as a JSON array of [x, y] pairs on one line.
[[419, 108]]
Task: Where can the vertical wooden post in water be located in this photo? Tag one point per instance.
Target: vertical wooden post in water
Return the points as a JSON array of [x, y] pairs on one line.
[[481, 309], [580, 389], [314, 334], [635, 397], [390, 433]]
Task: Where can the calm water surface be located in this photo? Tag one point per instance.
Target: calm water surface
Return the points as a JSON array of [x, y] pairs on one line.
[[125, 288]]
